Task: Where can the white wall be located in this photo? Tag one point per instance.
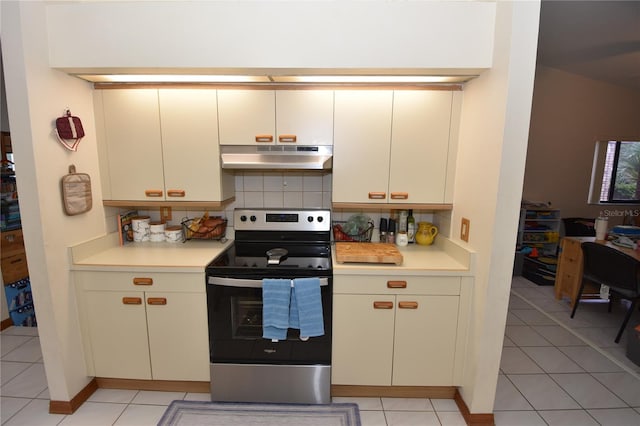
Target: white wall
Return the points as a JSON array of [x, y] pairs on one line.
[[570, 113], [37, 95], [490, 168], [272, 35]]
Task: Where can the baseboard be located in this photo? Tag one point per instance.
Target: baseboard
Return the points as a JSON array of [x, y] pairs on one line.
[[157, 385], [6, 323], [69, 407], [436, 392], [472, 419]]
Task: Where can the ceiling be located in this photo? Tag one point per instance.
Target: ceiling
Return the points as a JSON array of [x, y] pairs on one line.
[[596, 39]]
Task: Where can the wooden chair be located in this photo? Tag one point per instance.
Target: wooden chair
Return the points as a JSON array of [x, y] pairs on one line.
[[607, 266]]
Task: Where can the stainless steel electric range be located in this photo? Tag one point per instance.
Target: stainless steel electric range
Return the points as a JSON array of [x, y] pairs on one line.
[[269, 244]]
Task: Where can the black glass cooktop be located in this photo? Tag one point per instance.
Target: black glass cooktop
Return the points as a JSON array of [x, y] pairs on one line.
[[251, 257]]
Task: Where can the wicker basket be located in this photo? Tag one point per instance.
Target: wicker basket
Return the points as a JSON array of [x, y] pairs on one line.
[[364, 236], [217, 233]]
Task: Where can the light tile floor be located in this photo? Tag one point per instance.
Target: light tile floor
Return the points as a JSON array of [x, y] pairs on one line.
[[554, 371]]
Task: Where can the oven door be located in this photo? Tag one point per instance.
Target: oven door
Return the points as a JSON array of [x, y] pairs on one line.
[[235, 326]]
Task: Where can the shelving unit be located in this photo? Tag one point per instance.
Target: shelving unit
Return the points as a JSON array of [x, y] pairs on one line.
[[15, 271], [538, 236]]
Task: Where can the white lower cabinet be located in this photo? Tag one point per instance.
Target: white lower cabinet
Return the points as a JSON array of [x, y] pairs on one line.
[[145, 326], [401, 332]]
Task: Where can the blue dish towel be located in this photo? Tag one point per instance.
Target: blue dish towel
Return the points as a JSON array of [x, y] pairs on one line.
[[276, 295], [306, 307]]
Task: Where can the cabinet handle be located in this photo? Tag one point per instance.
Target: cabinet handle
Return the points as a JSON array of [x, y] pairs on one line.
[[377, 195], [153, 192], [157, 300], [382, 305], [408, 305], [176, 192], [264, 138], [396, 284], [132, 300], [287, 138], [142, 281], [399, 195]]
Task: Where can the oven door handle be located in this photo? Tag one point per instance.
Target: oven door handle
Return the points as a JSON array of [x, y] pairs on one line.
[[243, 282]]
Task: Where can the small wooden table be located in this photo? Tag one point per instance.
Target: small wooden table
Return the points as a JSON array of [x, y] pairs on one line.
[[569, 271]]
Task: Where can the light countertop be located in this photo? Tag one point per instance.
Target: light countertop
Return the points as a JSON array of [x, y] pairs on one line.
[[442, 258], [105, 253]]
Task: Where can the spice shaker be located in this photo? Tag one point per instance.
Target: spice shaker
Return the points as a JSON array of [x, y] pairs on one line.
[[383, 230], [391, 232]]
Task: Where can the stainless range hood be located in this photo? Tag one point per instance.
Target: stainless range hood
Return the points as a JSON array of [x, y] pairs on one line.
[[278, 157]]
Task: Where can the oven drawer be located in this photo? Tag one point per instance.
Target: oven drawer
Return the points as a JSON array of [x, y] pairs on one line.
[[141, 281], [389, 284]]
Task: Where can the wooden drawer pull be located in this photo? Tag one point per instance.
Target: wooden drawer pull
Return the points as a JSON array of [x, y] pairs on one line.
[[153, 193], [377, 195], [408, 305], [399, 195], [264, 138], [382, 305], [132, 300], [142, 281], [287, 138], [157, 300], [396, 284], [176, 193]]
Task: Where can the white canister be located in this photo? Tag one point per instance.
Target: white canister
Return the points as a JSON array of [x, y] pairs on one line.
[[140, 226], [156, 232], [602, 226], [402, 239], [173, 234]]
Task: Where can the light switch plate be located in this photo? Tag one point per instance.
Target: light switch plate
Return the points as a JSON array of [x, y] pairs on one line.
[[464, 229]]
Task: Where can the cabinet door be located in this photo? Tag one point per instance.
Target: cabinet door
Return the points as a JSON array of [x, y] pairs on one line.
[[362, 348], [306, 115], [118, 333], [134, 151], [190, 143], [362, 136], [419, 146], [246, 117], [178, 336], [425, 338]]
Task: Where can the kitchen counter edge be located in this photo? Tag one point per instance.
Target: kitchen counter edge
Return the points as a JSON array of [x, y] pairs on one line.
[[106, 253]]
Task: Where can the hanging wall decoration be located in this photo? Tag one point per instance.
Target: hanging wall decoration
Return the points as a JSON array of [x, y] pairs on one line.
[[69, 131], [76, 192]]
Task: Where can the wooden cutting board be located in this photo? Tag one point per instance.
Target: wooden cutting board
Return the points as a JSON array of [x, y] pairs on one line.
[[368, 253]]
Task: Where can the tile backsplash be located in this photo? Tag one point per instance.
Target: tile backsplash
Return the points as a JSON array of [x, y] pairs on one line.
[[275, 189]]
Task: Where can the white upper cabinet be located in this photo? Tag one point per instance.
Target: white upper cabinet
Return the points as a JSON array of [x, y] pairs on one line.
[[246, 117], [304, 116], [291, 117], [162, 145], [190, 149], [133, 145], [362, 135], [395, 147], [419, 146]]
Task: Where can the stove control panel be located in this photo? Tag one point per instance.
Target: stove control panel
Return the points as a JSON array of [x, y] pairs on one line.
[[282, 220]]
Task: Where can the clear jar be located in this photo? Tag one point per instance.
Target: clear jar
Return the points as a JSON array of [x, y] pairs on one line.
[[402, 239]]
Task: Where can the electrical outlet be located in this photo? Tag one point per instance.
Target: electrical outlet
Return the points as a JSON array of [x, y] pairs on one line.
[[165, 214], [464, 229]]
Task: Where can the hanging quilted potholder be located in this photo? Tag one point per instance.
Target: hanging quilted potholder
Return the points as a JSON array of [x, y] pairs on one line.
[[76, 192], [69, 131]]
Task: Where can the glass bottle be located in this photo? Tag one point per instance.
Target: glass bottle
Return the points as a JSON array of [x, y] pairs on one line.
[[411, 228]]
